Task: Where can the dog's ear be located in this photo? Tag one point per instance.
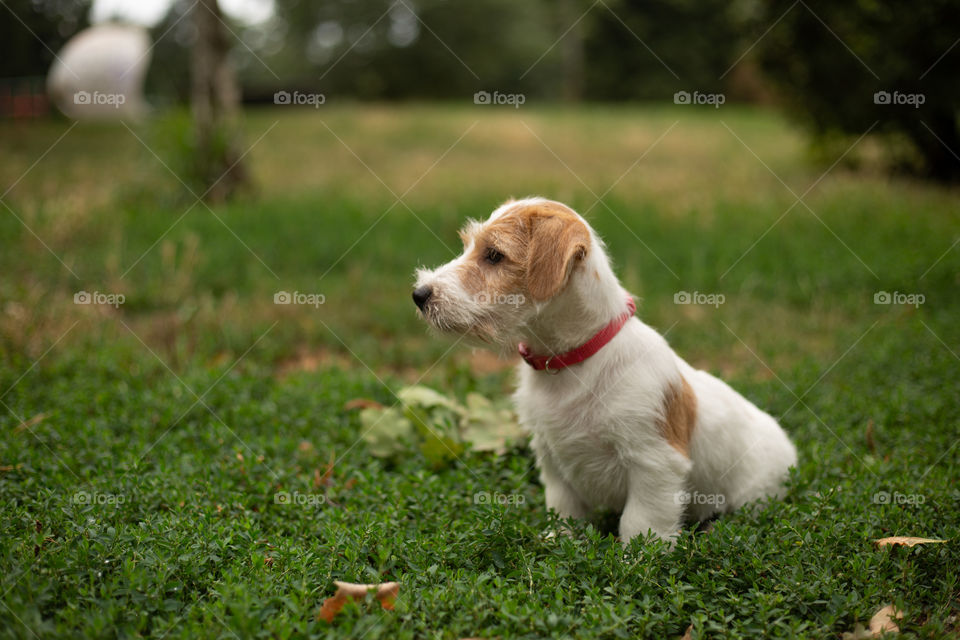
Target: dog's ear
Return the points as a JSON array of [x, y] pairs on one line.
[[556, 242]]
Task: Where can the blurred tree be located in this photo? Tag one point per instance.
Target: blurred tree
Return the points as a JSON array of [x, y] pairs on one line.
[[215, 101], [843, 66], [649, 49], [173, 39], [388, 49], [32, 31]]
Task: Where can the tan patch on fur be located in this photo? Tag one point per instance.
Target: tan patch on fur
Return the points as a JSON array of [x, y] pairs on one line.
[[507, 237], [538, 241], [679, 416], [558, 237]]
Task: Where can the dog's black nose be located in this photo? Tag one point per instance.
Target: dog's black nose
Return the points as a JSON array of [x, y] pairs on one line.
[[421, 295]]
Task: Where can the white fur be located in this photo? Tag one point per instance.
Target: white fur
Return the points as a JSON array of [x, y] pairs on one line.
[[595, 424]]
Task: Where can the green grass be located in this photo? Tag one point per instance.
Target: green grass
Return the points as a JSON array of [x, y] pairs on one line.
[[183, 538]]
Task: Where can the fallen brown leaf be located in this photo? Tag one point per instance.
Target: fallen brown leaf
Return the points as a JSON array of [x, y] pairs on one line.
[[305, 446], [362, 403], [385, 593], [883, 621], [905, 540]]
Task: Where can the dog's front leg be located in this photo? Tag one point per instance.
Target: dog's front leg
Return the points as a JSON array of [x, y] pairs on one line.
[[559, 495], [654, 499]]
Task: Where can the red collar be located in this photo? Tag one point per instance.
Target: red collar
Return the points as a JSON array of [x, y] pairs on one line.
[[553, 364]]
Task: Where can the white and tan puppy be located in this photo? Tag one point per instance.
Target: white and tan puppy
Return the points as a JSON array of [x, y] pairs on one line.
[[619, 421]]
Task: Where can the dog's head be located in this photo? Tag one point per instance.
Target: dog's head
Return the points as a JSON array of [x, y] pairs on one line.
[[521, 259]]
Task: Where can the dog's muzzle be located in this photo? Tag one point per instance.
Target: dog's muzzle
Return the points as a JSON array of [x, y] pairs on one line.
[[421, 295]]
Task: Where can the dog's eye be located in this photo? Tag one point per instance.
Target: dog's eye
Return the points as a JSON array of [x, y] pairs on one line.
[[493, 256]]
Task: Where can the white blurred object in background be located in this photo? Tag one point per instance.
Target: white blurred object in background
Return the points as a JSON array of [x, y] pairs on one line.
[[99, 73]]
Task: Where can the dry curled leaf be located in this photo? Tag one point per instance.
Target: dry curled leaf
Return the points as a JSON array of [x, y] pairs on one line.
[[905, 541], [385, 593], [883, 621]]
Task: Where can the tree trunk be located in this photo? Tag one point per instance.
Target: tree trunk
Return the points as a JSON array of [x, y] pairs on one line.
[[216, 104], [571, 49]]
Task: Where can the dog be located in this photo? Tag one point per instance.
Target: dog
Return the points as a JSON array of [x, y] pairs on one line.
[[618, 420]]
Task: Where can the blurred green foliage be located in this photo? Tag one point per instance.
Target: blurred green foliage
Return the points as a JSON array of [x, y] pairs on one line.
[[849, 67]]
